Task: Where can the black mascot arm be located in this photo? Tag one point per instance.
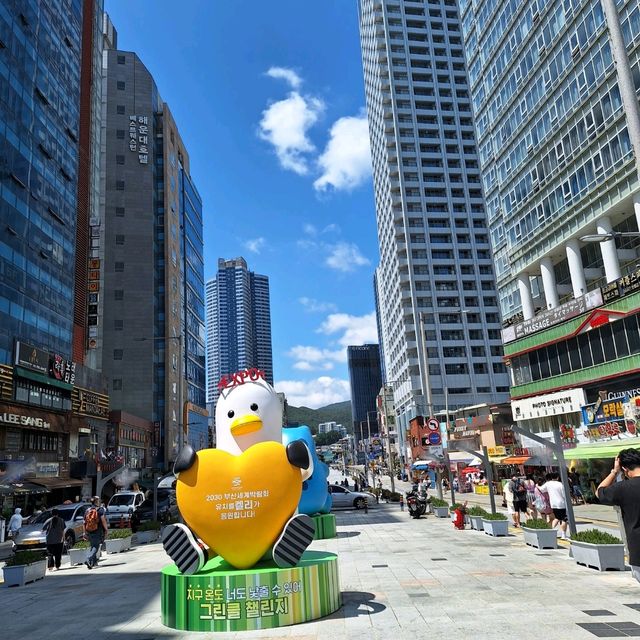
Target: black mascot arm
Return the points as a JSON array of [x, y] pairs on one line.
[[298, 454], [185, 459]]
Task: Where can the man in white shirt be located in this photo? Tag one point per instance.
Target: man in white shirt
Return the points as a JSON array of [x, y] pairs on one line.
[[554, 489]]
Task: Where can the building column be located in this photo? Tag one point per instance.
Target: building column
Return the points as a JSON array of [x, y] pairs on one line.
[[625, 77], [576, 269], [526, 298], [636, 208], [549, 283], [609, 251]]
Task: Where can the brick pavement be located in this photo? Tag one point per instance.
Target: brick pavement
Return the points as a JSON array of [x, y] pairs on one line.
[[401, 578]]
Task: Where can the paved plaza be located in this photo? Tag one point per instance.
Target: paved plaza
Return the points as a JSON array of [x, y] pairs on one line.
[[400, 578]]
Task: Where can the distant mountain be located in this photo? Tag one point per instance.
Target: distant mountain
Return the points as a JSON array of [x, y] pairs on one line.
[[339, 412]]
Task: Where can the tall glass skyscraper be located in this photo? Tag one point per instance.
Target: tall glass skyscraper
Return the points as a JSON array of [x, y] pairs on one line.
[[238, 323], [555, 93], [365, 380], [39, 117], [436, 300]]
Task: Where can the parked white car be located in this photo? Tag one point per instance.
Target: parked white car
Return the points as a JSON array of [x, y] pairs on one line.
[[343, 497], [121, 507]]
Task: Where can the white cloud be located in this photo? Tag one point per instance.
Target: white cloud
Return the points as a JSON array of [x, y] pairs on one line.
[[255, 245], [346, 160], [356, 330], [310, 358], [315, 306], [314, 393], [288, 75], [285, 124], [310, 230], [345, 256]]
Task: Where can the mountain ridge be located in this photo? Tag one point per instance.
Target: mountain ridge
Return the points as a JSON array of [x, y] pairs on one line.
[[339, 412]]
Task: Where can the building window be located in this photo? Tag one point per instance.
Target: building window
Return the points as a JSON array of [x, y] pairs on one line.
[[118, 324], [121, 59], [118, 294], [120, 109], [120, 85], [119, 267], [117, 384], [120, 212], [117, 354], [119, 185], [120, 134], [119, 159], [119, 238]]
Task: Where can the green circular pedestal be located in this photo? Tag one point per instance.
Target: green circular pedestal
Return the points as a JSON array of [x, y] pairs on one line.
[[221, 598], [325, 526]]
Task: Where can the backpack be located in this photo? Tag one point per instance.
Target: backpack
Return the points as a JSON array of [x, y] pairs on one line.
[[519, 487], [91, 520]]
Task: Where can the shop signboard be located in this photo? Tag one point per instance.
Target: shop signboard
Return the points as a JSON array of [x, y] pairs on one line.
[[622, 287], [30, 357], [47, 469], [549, 404], [497, 451], [507, 436], [552, 317]]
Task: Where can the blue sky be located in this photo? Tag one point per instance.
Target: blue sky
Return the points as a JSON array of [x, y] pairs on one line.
[[269, 100]]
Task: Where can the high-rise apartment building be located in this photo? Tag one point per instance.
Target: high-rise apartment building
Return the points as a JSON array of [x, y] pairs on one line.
[[238, 323], [435, 285], [149, 265], [554, 88], [365, 380]]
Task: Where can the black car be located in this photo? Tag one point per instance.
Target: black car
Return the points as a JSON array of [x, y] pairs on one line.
[[167, 509]]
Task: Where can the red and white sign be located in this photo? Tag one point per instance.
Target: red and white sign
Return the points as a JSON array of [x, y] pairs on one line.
[[433, 424]]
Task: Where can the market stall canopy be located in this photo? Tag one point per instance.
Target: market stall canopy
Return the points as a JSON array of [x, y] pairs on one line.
[[420, 464], [12, 488], [470, 470], [609, 449]]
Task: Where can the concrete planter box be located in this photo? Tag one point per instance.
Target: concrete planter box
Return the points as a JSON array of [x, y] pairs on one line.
[[496, 527], [145, 537], [541, 538], [118, 545], [467, 520], [24, 573], [476, 523], [79, 556], [599, 556], [441, 512]]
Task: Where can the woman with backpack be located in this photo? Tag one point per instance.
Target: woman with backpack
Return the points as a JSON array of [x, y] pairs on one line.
[[519, 491]]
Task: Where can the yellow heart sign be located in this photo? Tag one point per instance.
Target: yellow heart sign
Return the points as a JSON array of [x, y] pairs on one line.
[[238, 505]]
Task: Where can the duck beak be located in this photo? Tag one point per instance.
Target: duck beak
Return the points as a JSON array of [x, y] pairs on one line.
[[245, 424]]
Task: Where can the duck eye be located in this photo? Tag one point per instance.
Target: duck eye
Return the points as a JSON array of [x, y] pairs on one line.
[[254, 407], [231, 413]]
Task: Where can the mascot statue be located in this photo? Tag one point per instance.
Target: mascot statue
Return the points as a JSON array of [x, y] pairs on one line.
[[239, 501]]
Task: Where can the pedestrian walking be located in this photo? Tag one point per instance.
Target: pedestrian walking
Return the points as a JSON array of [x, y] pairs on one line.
[[542, 502], [356, 487], [576, 490], [401, 502], [507, 500], [626, 495], [530, 485], [15, 523], [558, 501], [95, 530], [55, 527], [519, 492]]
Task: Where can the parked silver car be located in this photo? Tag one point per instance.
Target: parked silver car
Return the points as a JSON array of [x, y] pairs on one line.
[[34, 534], [343, 497]]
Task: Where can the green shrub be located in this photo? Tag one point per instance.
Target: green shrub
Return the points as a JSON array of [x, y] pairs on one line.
[[537, 523], [454, 506], [25, 557], [117, 534], [594, 536], [494, 516], [437, 502], [394, 497], [151, 525], [477, 511], [82, 544]]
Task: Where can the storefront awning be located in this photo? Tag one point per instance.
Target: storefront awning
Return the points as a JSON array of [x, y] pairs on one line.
[[515, 460], [58, 483], [38, 377], [497, 459], [463, 456], [608, 449]]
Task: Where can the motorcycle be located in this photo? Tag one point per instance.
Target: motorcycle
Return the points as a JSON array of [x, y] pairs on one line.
[[416, 504]]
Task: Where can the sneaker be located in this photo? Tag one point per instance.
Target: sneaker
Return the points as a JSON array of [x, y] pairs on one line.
[[294, 540], [183, 549], [89, 565]]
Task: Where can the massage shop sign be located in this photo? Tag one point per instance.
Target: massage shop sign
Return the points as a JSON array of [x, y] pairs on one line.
[[614, 416]]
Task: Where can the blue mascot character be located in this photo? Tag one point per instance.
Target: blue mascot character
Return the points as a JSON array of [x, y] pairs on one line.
[[315, 496]]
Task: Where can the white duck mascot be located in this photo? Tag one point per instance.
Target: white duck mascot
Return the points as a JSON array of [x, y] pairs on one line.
[[248, 413]]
